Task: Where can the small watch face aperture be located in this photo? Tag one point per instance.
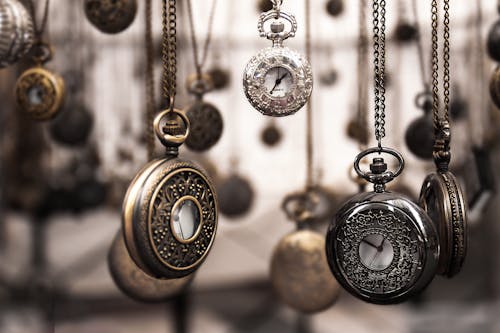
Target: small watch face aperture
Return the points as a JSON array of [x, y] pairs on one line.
[[376, 252], [186, 218], [278, 82]]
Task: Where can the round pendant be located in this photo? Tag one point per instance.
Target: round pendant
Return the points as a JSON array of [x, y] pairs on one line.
[[221, 78], [206, 126], [329, 78], [493, 44], [335, 7], [442, 198], [495, 87], [271, 135], [419, 137], [111, 16], [381, 247], [136, 284], [170, 217], [405, 32], [40, 93], [264, 5], [357, 131], [16, 32], [72, 126], [235, 195], [300, 274]]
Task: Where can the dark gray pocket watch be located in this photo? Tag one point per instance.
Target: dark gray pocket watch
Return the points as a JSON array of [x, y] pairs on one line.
[[381, 247], [236, 196], [442, 198], [111, 16], [170, 209], [205, 119], [419, 134], [277, 81]]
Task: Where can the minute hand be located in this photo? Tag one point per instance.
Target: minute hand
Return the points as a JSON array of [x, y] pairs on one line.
[[278, 81]]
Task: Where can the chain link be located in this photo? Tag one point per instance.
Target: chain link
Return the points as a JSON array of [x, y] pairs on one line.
[[169, 51], [420, 48], [362, 73], [309, 124], [200, 62], [39, 29], [379, 67], [150, 85]]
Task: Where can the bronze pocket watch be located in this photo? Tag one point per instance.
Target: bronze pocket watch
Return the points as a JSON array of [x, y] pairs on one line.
[[136, 284], [111, 16], [381, 247], [277, 81], [299, 269], [170, 209], [40, 92]]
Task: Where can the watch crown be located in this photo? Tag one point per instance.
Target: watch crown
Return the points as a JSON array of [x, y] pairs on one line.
[[277, 27], [378, 166]]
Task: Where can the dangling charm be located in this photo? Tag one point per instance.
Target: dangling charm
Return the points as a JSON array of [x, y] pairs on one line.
[[381, 247], [335, 7], [418, 136], [111, 16], [271, 135], [236, 196], [442, 198], [136, 284], [16, 32], [495, 87], [40, 92], [170, 209], [277, 80], [205, 119], [299, 270]]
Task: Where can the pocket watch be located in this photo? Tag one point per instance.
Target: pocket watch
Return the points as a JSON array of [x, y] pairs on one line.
[[271, 134], [442, 198], [495, 87], [40, 92], [335, 7], [206, 123], [73, 125], [111, 16], [418, 136], [381, 247], [170, 209], [16, 32], [493, 43], [299, 270], [236, 196], [136, 284], [277, 81]]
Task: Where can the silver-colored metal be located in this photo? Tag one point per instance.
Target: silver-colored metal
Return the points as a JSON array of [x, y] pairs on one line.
[[382, 248], [277, 81], [16, 32]]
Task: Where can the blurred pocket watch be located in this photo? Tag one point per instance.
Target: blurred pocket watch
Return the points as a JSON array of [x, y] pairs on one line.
[[493, 42], [205, 119], [170, 209], [419, 134], [495, 87], [236, 196], [221, 77], [110, 16], [299, 270], [16, 32], [40, 92], [381, 247], [264, 5], [277, 81], [136, 284], [335, 7], [405, 32], [73, 125], [271, 134]]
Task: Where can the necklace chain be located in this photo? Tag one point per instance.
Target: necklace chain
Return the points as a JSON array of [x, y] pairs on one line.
[[39, 29], [169, 51], [362, 72], [379, 67], [150, 85]]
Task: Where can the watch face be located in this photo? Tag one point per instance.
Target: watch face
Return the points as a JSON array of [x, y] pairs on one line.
[[376, 252], [278, 82]]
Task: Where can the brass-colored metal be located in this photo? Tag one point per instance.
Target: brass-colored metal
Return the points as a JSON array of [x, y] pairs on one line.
[[147, 209], [495, 87], [40, 93], [300, 273], [443, 200], [136, 284], [111, 16], [199, 84]]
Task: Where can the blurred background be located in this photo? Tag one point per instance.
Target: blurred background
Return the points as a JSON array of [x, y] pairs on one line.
[[60, 204]]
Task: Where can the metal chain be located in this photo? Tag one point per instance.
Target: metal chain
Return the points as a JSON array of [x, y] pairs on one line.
[[362, 72], [420, 47], [200, 62], [39, 30], [150, 85], [309, 125], [379, 67], [446, 60], [169, 51], [435, 65]]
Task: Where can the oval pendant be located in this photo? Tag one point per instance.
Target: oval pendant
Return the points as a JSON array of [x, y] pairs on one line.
[[206, 126], [111, 16]]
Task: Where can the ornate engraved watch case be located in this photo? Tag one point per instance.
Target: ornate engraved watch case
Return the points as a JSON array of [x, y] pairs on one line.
[[136, 284], [442, 198], [205, 119], [16, 32], [40, 92], [111, 16], [299, 270], [277, 81], [381, 247], [170, 209]]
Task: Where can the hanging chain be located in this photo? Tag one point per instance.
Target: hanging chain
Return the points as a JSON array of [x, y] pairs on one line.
[[309, 129], [420, 48], [362, 72], [39, 29], [435, 63], [169, 51], [379, 67], [150, 85], [200, 62]]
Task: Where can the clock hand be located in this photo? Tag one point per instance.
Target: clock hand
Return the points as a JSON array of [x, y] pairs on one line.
[[278, 81], [282, 77], [371, 244]]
